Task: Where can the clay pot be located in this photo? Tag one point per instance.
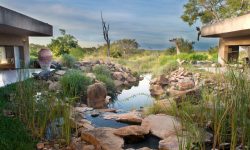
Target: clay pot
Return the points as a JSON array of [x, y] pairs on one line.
[[45, 58]]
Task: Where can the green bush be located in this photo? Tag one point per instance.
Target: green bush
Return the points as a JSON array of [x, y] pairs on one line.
[[196, 57], [78, 53], [109, 83], [170, 51], [168, 67], [102, 70], [116, 54], [68, 60], [75, 83], [192, 57], [104, 75]]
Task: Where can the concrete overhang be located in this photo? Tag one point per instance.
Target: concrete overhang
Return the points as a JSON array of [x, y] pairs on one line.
[[12, 22], [235, 27]]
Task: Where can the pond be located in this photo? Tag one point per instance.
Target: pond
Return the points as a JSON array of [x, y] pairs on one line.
[[134, 98]]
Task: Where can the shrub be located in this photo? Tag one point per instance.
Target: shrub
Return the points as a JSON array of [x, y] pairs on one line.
[[78, 53], [116, 54], [196, 57], [170, 51], [68, 60], [192, 57], [75, 84], [168, 67], [102, 70], [109, 83], [213, 50], [104, 75]]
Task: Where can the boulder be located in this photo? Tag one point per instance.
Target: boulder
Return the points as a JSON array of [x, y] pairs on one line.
[[118, 76], [172, 92], [96, 95], [40, 146], [161, 125], [170, 143], [118, 83], [60, 72], [185, 84], [131, 79], [103, 139], [162, 80], [133, 130], [130, 117], [156, 90]]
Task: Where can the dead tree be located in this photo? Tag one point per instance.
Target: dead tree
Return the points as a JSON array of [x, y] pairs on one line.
[[175, 41], [105, 29]]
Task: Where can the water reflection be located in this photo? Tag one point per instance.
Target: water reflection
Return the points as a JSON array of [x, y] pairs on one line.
[[135, 97]]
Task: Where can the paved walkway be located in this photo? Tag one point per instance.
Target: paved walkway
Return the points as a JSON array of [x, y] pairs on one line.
[[12, 76]]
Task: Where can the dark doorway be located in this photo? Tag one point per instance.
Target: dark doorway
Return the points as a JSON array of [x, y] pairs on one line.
[[233, 54]]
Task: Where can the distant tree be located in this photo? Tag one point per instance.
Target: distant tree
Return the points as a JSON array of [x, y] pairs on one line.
[[183, 45], [126, 46], [170, 51], [105, 29], [121, 48], [63, 44], [34, 49], [176, 42], [209, 11]]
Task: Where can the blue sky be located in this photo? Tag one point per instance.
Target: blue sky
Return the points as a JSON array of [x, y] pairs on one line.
[[151, 22]]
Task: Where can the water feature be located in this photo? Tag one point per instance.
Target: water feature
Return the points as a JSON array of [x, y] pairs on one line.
[[134, 98]]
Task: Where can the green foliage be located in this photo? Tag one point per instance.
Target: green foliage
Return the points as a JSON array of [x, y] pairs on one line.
[[213, 50], [193, 57], [116, 54], [103, 74], [14, 135], [78, 53], [63, 44], [68, 60], [103, 70], [168, 67], [185, 46], [75, 83], [34, 49], [121, 47], [208, 11], [170, 51], [196, 57]]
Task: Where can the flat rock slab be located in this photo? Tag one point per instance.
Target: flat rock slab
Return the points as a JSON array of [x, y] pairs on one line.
[[171, 143], [161, 125], [103, 139], [130, 117], [133, 130]]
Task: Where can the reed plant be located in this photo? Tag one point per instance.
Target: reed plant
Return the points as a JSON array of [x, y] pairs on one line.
[[39, 109], [226, 108]]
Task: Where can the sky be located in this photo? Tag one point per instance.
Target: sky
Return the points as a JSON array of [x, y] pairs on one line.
[[151, 22]]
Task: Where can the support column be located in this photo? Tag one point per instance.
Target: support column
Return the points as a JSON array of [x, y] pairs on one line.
[[223, 52]]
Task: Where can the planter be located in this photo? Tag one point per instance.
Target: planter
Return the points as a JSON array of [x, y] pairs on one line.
[[45, 58]]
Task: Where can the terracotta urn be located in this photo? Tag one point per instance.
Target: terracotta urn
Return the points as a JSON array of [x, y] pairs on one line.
[[45, 58]]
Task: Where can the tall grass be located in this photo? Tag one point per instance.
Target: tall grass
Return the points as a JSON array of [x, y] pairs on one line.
[[223, 111], [227, 110], [38, 109], [75, 83]]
